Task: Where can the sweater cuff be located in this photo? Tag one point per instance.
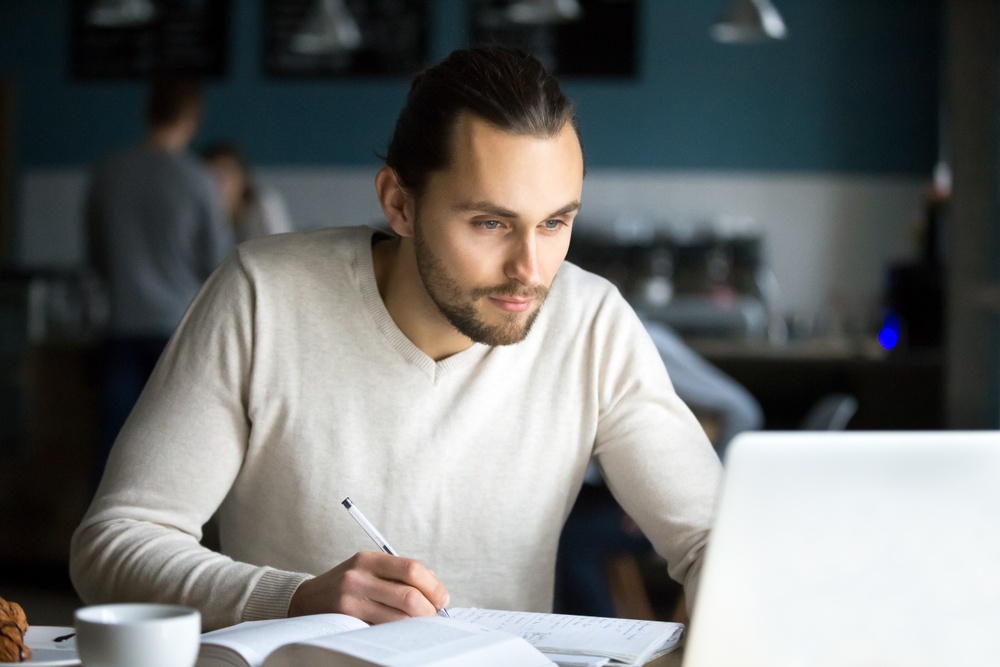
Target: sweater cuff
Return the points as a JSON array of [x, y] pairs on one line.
[[272, 595]]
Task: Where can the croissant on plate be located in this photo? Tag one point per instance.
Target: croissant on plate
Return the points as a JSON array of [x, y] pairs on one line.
[[13, 625]]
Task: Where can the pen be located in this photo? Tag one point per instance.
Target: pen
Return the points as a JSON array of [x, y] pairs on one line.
[[376, 536]]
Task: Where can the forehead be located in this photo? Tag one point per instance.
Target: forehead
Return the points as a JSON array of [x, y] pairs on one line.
[[490, 164]]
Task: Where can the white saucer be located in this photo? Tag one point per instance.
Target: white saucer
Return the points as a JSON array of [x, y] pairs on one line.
[[45, 652]]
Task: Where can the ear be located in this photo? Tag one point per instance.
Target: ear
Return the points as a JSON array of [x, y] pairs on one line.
[[397, 204]]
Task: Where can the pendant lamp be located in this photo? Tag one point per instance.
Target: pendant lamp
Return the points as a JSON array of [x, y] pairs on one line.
[[328, 29], [747, 21], [121, 13], [540, 12]]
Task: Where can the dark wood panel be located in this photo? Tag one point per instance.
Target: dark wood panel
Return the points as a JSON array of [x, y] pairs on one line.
[[899, 392]]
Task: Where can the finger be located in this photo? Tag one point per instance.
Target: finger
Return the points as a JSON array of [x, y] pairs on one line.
[[411, 573], [377, 600]]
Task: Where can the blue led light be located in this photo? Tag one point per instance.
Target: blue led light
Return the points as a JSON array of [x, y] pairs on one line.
[[888, 337]]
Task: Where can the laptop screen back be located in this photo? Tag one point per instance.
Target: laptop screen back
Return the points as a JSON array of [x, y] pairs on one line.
[[853, 549]]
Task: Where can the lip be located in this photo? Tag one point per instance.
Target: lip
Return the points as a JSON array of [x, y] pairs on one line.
[[511, 305]]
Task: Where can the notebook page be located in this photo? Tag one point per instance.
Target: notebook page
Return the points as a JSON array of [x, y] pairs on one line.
[[626, 640]]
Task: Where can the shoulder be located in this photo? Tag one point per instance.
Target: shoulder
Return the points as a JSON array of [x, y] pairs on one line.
[[326, 251], [116, 161], [588, 308], [288, 272], [190, 162], [575, 288], [590, 302], [193, 169]]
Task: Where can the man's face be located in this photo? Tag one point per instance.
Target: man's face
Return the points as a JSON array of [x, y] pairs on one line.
[[491, 231]]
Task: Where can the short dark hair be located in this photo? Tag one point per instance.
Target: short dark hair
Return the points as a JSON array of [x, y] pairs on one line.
[[170, 97], [226, 148], [506, 87]]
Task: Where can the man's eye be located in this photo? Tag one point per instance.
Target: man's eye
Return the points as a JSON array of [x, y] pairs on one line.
[[490, 224], [552, 224]]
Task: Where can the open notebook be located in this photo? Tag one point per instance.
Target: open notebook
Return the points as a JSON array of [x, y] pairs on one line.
[[853, 548]]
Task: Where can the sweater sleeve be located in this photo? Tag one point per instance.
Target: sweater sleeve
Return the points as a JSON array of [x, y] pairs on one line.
[[656, 458], [171, 467]]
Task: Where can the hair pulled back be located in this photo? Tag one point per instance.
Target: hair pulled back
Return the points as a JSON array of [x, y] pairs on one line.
[[508, 88]]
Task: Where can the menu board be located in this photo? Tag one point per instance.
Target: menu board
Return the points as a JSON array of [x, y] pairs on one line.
[[136, 38], [331, 38], [586, 38]]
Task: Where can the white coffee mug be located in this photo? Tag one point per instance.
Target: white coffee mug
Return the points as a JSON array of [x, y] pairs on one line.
[[132, 634]]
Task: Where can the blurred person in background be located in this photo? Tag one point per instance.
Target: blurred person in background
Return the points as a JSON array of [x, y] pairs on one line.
[[156, 228], [254, 210]]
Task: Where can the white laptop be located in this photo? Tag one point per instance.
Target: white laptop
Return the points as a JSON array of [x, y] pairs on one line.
[[853, 549]]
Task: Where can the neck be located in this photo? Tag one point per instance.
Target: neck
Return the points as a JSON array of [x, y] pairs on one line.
[[410, 306], [173, 138]]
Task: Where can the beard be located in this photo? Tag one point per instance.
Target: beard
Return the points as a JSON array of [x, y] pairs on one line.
[[459, 306]]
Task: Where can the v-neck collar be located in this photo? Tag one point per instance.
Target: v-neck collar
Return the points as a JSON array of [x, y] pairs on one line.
[[435, 370]]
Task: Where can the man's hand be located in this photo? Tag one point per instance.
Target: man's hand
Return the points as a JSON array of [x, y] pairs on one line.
[[374, 587]]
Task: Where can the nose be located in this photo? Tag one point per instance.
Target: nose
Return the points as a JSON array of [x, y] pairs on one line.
[[522, 261]]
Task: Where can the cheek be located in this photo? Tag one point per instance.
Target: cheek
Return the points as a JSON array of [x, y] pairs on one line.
[[468, 258], [551, 256], [476, 265]]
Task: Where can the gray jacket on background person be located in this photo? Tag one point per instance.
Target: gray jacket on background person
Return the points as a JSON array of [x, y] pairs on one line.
[[156, 231]]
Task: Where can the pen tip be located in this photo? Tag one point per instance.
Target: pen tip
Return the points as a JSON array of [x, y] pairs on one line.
[[346, 502]]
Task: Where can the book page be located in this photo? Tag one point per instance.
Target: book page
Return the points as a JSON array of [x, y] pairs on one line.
[[414, 642], [254, 640], [626, 640]]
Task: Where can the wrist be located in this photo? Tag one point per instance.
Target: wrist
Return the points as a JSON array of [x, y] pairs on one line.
[[272, 594]]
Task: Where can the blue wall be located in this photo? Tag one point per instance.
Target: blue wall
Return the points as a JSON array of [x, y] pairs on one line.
[[854, 89]]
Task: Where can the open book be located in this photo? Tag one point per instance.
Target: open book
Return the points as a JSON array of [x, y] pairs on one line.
[[481, 637]]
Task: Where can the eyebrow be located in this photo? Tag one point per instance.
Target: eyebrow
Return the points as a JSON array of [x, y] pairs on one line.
[[501, 212]]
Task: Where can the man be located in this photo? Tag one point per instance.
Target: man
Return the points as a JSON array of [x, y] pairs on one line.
[[156, 230], [453, 378]]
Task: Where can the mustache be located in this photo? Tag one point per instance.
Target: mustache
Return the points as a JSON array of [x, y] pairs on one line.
[[511, 290]]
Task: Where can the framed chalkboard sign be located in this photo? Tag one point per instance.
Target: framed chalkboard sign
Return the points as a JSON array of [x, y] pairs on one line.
[[333, 38], [586, 38], [136, 38]]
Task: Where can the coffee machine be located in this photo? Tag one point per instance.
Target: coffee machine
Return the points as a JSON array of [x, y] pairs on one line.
[[703, 285]]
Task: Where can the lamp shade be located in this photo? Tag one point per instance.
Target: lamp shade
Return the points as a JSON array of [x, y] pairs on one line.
[[328, 29], [746, 21], [121, 13], [542, 12]]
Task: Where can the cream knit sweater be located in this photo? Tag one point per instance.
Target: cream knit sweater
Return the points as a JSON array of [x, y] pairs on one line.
[[288, 387]]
